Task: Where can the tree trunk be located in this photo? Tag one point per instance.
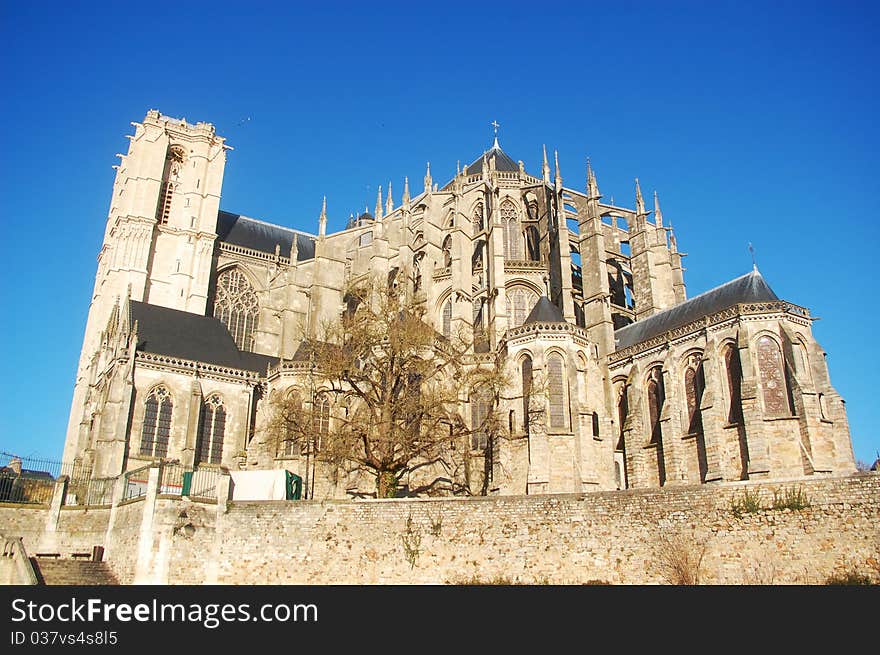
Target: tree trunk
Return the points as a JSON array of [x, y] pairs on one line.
[[386, 484]]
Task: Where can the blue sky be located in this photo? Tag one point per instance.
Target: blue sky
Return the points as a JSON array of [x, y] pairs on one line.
[[755, 122]]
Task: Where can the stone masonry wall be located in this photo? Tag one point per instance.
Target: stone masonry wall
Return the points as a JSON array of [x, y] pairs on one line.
[[615, 537]]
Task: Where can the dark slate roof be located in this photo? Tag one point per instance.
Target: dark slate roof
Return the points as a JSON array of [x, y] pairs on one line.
[[250, 233], [544, 311], [502, 162], [174, 333], [746, 288]]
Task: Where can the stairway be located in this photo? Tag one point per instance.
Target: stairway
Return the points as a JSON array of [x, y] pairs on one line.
[[51, 571]]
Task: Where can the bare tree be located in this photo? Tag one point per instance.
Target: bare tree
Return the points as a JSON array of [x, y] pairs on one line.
[[399, 387]]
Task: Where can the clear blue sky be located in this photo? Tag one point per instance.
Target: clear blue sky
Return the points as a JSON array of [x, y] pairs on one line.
[[756, 122]]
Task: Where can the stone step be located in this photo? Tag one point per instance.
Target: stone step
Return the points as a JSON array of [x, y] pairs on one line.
[[72, 572]]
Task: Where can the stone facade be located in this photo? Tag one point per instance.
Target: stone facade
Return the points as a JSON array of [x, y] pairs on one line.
[[670, 407]]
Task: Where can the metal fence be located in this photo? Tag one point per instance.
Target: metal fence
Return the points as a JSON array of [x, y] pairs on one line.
[[29, 480], [136, 483], [180, 480], [96, 491]]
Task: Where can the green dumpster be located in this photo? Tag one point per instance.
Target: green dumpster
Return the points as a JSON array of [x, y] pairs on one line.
[[293, 486]]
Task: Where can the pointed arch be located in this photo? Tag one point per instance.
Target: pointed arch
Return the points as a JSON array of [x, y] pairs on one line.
[[447, 251], [656, 396], [447, 318], [526, 377], [510, 225], [478, 219], [774, 378], [556, 388], [236, 306], [733, 375], [156, 429], [212, 430], [520, 302]]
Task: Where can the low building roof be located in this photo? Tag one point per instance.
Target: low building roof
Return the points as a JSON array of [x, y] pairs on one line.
[[174, 333], [750, 287]]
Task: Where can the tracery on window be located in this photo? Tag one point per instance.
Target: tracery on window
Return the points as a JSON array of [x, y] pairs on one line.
[[447, 319], [510, 223], [156, 430], [236, 306], [212, 430], [556, 389], [520, 303], [774, 385]]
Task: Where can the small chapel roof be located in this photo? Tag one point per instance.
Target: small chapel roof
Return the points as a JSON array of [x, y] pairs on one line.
[[544, 311], [254, 234], [750, 287], [171, 332]]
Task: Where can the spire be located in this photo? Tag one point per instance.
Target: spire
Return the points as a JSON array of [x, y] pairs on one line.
[[658, 216], [592, 185], [322, 219], [428, 180], [389, 204], [640, 202], [545, 168], [378, 212], [294, 249], [405, 199], [558, 174], [495, 124]]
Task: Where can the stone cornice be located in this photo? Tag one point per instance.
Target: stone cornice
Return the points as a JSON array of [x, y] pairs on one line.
[[748, 311]]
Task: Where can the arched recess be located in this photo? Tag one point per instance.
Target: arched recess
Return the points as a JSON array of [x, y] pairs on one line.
[[694, 386], [156, 429], [733, 382], [447, 251], [236, 305], [174, 158], [655, 396], [478, 218]]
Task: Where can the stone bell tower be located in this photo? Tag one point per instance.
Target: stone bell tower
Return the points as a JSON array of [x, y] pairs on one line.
[[159, 239]]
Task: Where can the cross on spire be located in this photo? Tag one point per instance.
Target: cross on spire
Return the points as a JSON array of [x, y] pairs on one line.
[[495, 125], [752, 251]]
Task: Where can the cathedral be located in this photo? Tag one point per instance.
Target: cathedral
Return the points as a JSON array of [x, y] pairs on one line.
[[199, 315]]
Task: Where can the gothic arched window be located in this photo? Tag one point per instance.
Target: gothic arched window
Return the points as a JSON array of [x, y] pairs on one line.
[[480, 407], [321, 418], [156, 430], [774, 383], [520, 303], [734, 384], [556, 388], [289, 445], [211, 431], [526, 390], [237, 308], [447, 319], [510, 223]]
